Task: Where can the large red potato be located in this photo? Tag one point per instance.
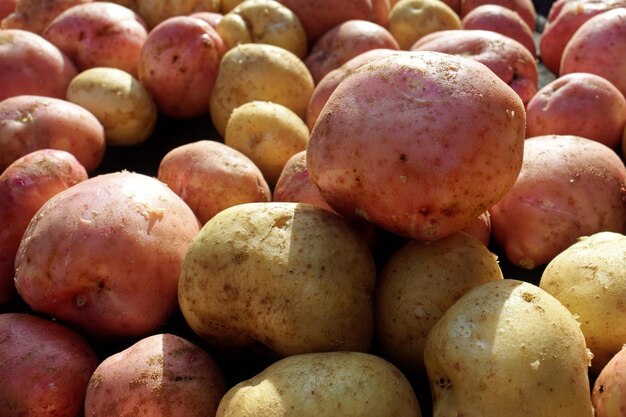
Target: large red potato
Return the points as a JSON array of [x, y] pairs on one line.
[[598, 47], [525, 8], [411, 141], [29, 123], [99, 34], [568, 187], [178, 64], [24, 187], [34, 15], [105, 255], [159, 375], [45, 367], [49, 70]]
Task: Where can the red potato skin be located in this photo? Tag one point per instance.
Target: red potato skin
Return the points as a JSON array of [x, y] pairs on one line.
[[160, 375], [35, 15], [420, 175], [558, 106], [502, 20], [24, 187], [29, 123], [210, 177], [99, 34], [480, 228], [29, 64], [568, 187], [525, 8], [507, 58], [607, 395], [105, 255], [345, 41], [179, 63], [45, 367], [6, 8], [599, 47]]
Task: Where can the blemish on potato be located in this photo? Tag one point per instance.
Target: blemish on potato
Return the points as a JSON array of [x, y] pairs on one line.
[[80, 301]]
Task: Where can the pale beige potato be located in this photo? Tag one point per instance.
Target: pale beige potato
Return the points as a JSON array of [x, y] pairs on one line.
[[287, 278], [154, 12], [409, 20], [267, 133], [264, 21], [416, 287], [35, 15], [589, 278], [255, 71], [119, 101], [324, 384], [508, 348]]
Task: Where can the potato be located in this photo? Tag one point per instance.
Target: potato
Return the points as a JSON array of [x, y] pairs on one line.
[[255, 71], [210, 177], [99, 34], [29, 123], [345, 41], [607, 395], [525, 8], [598, 47], [388, 146], [49, 70], [502, 20], [119, 101], [418, 284], [45, 367], [589, 278], [228, 5], [568, 187], [565, 17], [557, 107], [24, 187], [212, 18], [286, 278], [267, 133], [508, 348], [178, 64], [105, 255], [154, 12], [507, 58], [324, 384], [159, 375], [264, 21], [6, 8], [319, 16], [34, 15], [410, 20]]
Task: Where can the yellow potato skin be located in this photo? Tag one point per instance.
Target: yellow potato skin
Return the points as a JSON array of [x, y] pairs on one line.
[[323, 384]]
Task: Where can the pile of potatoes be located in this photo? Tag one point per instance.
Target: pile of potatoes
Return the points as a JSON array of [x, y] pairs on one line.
[[236, 208]]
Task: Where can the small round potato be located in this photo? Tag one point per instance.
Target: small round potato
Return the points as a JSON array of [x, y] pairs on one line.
[[267, 133], [210, 177], [119, 101], [589, 278], [35, 15], [410, 20], [264, 21], [256, 71], [525, 8], [418, 284], [285, 277]]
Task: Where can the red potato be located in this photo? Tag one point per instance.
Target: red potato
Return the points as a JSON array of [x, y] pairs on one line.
[[345, 41], [502, 20], [410, 141], [45, 367], [507, 58], [35, 15], [565, 17], [160, 375], [558, 106], [99, 34], [599, 47], [210, 177], [525, 8], [568, 187], [179, 63], [6, 8], [319, 16], [29, 64], [25, 186], [29, 123], [607, 396], [105, 255]]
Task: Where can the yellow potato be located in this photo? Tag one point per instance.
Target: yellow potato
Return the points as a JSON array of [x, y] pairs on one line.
[[256, 71], [264, 21], [118, 100], [267, 133]]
